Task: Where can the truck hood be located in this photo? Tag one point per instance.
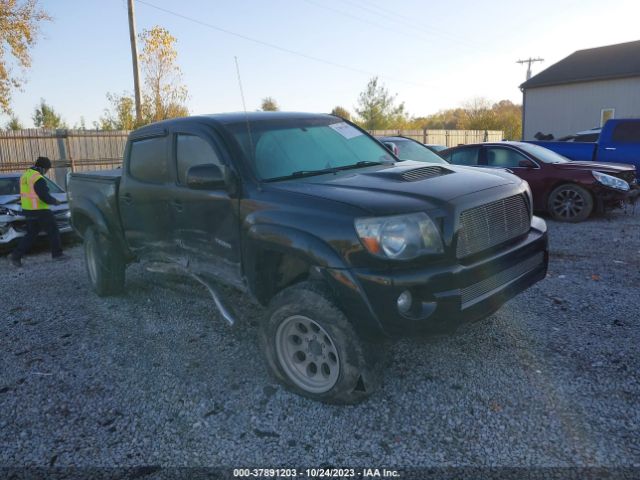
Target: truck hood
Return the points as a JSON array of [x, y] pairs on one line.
[[601, 167], [404, 186]]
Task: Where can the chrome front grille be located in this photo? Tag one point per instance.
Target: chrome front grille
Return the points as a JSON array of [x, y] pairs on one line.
[[470, 294], [423, 173], [491, 224]]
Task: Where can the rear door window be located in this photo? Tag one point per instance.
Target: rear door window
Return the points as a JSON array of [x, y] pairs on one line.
[[148, 160], [627, 132]]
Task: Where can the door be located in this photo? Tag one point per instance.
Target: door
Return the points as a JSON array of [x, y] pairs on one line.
[[207, 224], [143, 197], [624, 146]]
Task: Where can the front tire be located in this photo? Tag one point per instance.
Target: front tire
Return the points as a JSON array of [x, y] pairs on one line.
[[105, 264], [312, 348], [570, 203]]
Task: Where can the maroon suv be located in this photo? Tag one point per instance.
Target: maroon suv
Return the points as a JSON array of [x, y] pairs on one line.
[[567, 190]]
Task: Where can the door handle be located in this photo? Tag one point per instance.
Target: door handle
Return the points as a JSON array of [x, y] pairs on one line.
[[127, 198], [177, 204], [609, 148]]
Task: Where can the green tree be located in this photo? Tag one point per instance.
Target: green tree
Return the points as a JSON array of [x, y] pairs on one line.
[[44, 116], [341, 112], [377, 108], [164, 95], [14, 123], [121, 116], [269, 105], [19, 31]]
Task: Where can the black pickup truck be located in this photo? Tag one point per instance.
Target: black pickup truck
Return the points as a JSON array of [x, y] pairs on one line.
[[346, 244]]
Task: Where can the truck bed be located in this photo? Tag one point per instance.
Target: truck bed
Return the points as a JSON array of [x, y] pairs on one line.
[[582, 151], [95, 192]]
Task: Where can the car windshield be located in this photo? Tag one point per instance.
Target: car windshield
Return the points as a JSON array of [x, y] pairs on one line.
[[11, 186], [543, 154], [301, 147], [410, 150]]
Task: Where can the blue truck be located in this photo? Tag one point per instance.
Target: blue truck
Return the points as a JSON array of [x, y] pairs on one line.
[[618, 142]]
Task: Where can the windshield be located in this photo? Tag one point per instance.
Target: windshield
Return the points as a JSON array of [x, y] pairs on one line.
[[288, 148], [543, 154], [410, 150], [11, 186], [53, 188]]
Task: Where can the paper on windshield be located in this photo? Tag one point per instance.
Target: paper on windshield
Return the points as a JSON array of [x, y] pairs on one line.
[[346, 130]]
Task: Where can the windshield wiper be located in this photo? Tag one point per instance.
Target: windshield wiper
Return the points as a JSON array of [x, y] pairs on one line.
[[308, 173], [364, 163]]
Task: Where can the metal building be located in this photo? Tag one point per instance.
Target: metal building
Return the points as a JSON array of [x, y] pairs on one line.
[[583, 91]]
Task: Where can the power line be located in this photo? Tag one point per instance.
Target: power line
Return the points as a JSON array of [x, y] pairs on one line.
[[408, 21], [363, 20], [273, 46]]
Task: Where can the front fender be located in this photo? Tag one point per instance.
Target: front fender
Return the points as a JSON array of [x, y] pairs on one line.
[[324, 261], [291, 241]]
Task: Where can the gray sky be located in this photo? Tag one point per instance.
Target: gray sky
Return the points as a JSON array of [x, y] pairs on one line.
[[311, 55]]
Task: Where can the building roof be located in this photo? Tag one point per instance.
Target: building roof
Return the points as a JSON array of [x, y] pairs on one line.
[[602, 63]]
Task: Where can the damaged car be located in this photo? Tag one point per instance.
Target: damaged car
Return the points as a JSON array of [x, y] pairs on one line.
[[569, 191], [13, 224], [344, 244]]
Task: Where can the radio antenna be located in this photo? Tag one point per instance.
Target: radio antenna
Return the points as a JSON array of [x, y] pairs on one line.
[[246, 115]]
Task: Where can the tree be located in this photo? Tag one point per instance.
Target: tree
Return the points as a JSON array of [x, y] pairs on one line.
[[165, 95], [341, 112], [19, 31], [82, 125], [14, 123], [122, 115], [44, 116], [377, 108], [269, 105]]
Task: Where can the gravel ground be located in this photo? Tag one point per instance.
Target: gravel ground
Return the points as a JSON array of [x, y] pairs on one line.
[[154, 377]]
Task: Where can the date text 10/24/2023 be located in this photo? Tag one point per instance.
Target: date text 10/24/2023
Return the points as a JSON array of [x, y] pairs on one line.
[[315, 473]]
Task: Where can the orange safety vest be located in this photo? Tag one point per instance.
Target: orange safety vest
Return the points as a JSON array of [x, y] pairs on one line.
[[29, 199]]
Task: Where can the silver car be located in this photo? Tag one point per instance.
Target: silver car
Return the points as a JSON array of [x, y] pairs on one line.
[[12, 222]]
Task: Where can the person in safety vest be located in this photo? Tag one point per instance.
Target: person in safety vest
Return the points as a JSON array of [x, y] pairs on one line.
[[36, 201]]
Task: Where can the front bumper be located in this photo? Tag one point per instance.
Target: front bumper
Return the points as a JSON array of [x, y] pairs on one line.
[[610, 198], [13, 227], [444, 295]]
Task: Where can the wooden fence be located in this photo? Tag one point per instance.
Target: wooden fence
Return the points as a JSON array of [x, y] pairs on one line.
[[79, 150], [449, 138], [74, 150]]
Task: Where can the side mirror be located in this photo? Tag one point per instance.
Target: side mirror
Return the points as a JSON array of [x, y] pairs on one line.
[[392, 147], [205, 177], [526, 164]]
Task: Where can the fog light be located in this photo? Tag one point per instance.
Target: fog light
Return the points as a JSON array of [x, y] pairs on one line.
[[404, 301]]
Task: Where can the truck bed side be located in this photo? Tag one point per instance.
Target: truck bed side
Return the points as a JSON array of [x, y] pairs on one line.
[[93, 200], [584, 151]]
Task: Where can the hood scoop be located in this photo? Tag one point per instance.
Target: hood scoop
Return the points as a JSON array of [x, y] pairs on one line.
[[423, 173]]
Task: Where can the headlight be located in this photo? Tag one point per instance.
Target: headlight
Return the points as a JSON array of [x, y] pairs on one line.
[[6, 211], [400, 237], [610, 181]]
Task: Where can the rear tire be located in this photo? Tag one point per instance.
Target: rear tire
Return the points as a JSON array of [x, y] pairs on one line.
[[105, 263], [570, 203], [311, 347]]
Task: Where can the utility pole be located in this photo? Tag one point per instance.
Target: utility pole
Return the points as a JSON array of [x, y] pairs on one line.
[[529, 61], [134, 58]]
